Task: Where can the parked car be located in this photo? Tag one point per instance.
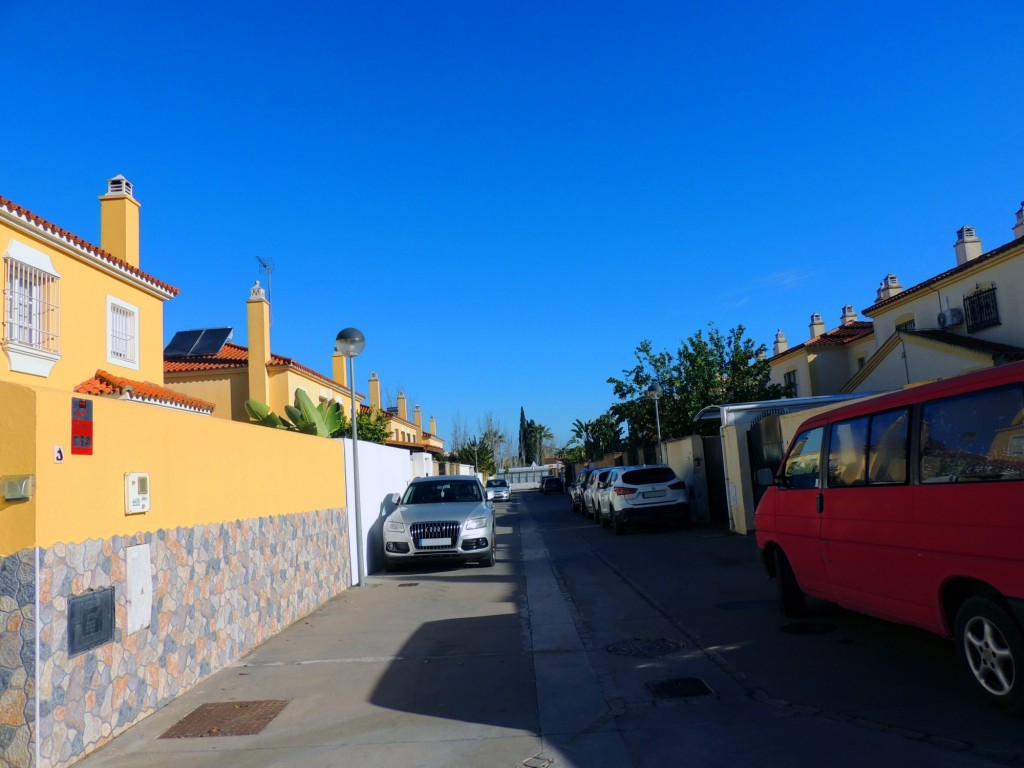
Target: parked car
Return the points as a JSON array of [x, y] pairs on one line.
[[551, 485], [907, 506], [599, 476], [446, 516], [577, 488], [645, 494], [501, 489]]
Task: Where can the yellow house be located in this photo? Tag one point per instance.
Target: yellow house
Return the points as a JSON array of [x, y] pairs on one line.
[[404, 433], [137, 555], [967, 317], [230, 374], [71, 307]]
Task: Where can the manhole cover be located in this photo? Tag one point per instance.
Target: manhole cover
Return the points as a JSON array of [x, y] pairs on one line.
[[808, 628], [228, 718], [679, 688], [646, 649]]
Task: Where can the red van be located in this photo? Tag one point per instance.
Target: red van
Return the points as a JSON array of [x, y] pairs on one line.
[[909, 506]]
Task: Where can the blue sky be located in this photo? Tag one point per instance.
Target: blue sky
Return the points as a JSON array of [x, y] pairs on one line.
[[506, 198]]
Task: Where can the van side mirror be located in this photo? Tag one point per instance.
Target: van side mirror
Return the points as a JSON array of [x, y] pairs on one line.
[[764, 477]]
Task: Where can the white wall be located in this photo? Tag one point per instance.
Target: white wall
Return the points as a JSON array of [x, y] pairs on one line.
[[383, 470]]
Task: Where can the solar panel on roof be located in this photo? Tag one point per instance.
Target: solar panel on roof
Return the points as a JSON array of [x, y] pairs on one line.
[[211, 341], [199, 341]]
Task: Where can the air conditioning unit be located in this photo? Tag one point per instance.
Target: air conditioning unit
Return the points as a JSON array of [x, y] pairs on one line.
[[950, 317]]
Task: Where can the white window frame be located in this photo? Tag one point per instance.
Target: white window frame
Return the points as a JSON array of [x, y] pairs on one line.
[[122, 333], [31, 346]]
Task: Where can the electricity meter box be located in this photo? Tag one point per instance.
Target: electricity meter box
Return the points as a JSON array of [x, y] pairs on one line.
[[136, 493]]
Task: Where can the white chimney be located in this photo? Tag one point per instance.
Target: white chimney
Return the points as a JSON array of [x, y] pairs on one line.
[[968, 245], [849, 315], [1018, 228], [780, 345], [890, 287], [817, 325]]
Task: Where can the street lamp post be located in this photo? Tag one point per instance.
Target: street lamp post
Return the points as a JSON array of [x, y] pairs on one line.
[[349, 343], [654, 392]]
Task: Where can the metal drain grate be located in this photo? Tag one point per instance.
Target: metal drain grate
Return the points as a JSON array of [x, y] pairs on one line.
[[679, 688], [228, 718], [646, 649], [808, 628]]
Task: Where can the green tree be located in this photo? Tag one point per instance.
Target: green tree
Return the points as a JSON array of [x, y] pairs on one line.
[[373, 426], [716, 369], [597, 437]]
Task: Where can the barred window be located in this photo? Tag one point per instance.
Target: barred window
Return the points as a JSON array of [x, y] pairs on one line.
[[789, 382], [981, 310], [31, 306], [122, 333]]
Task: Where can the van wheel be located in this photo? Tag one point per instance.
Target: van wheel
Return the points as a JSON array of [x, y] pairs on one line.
[[991, 646], [791, 599]]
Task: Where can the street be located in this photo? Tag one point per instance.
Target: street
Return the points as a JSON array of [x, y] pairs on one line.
[[584, 649]]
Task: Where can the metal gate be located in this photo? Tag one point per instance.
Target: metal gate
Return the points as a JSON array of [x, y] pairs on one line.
[[718, 500]]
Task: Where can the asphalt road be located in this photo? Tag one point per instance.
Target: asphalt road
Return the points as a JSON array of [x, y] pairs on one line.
[[832, 666]]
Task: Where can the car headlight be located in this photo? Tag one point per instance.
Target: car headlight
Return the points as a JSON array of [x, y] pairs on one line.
[[476, 522], [395, 526]]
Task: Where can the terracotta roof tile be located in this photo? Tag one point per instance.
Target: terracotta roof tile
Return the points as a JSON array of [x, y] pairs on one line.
[[234, 356], [106, 384], [73, 239], [966, 266], [847, 333]]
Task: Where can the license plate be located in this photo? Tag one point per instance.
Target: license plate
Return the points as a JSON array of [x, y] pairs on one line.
[[435, 542], [653, 494]]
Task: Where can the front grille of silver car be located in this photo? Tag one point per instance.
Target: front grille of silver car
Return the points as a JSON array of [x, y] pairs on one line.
[[435, 530]]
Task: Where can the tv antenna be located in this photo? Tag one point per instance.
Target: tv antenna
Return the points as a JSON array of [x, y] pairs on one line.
[[266, 268]]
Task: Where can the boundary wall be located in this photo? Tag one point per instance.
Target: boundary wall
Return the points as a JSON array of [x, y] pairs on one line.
[[247, 532]]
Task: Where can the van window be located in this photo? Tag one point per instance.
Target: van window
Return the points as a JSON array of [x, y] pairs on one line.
[[974, 437], [887, 449], [847, 451], [803, 460]]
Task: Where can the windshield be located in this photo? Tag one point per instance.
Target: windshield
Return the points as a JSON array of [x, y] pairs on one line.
[[441, 491], [497, 483]]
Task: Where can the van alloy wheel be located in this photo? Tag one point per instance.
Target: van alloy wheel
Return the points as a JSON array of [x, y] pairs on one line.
[[992, 648]]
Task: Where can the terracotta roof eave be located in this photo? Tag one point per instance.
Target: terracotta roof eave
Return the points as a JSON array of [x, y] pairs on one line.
[[52, 232], [965, 267], [106, 384], [967, 342]]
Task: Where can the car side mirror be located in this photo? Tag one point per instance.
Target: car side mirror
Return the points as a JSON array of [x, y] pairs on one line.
[[764, 477], [490, 495], [395, 499]]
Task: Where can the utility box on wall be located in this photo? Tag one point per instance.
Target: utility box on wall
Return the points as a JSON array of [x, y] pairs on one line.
[[90, 620], [136, 493]]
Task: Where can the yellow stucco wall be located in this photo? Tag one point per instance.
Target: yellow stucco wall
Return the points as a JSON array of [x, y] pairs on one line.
[[17, 457], [202, 469], [83, 321]]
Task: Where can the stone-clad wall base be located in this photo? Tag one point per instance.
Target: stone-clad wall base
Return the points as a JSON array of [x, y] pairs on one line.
[[17, 658], [218, 591]]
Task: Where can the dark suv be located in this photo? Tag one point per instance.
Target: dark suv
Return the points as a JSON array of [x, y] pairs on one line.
[[552, 485]]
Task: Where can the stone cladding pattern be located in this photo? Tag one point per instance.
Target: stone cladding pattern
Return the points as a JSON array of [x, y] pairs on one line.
[[219, 590], [17, 658]]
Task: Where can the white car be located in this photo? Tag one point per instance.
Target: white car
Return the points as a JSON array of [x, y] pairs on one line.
[[448, 516], [502, 490], [643, 494]]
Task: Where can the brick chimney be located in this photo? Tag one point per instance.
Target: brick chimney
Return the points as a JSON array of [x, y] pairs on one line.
[[849, 315], [967, 246], [1018, 228], [119, 221], [403, 409], [780, 345], [889, 287], [816, 326], [257, 310]]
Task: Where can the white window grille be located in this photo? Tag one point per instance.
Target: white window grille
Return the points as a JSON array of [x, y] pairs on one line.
[[122, 333], [31, 306]]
